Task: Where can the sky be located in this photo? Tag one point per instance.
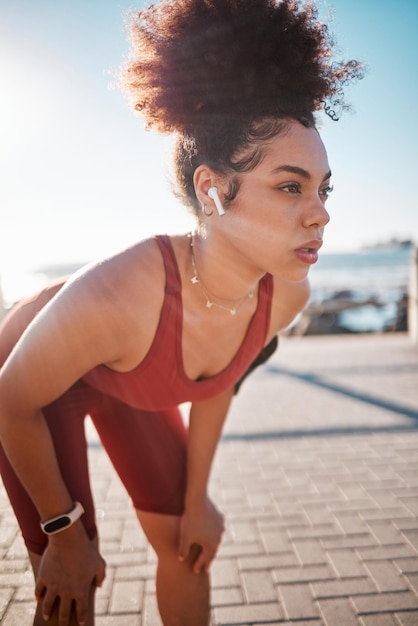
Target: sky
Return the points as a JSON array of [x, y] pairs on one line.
[[80, 178]]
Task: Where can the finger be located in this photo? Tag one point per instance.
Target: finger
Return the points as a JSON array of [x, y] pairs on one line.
[[100, 576], [39, 590], [64, 612], [48, 604], [200, 557], [183, 550], [206, 562], [84, 608]]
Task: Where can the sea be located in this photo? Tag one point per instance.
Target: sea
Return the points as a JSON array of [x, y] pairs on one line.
[[381, 274]]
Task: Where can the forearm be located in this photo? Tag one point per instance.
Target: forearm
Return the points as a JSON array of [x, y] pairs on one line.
[[205, 429], [28, 445]]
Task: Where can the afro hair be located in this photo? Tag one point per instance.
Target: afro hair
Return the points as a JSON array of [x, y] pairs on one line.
[[193, 60]]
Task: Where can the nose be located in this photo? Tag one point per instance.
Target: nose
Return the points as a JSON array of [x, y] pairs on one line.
[[316, 215]]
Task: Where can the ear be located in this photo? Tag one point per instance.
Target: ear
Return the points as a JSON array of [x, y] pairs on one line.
[[203, 179]]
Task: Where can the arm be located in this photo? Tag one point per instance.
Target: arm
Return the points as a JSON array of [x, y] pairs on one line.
[[201, 523], [68, 338], [43, 365], [98, 317]]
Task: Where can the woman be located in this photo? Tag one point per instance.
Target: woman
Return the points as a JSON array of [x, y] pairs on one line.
[[173, 319]]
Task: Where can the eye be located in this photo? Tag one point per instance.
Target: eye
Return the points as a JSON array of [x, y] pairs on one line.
[[325, 191], [291, 188]]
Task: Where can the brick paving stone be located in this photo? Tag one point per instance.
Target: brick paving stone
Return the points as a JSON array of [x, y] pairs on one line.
[[225, 572], [275, 541], [247, 614], [385, 532], [338, 611], [310, 622], [408, 565], [309, 573], [347, 563], [268, 561], [141, 571], [407, 619], [317, 514], [343, 588], [127, 596], [389, 514], [281, 522], [386, 576], [7, 535], [5, 598], [226, 596], [384, 497], [351, 523], [297, 601], [19, 614], [351, 505], [348, 541], [309, 552], [412, 536], [319, 531], [150, 614], [413, 581], [379, 620], [401, 550], [386, 602], [13, 579], [117, 620], [244, 530], [259, 586], [240, 549]]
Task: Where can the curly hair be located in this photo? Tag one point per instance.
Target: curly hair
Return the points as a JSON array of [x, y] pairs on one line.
[[225, 75]]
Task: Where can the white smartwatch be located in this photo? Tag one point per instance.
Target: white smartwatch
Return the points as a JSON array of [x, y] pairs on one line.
[[61, 522]]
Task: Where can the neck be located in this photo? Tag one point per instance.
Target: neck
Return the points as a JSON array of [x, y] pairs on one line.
[[222, 282]]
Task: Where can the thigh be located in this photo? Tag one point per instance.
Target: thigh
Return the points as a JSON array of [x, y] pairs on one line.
[[65, 419], [148, 450]]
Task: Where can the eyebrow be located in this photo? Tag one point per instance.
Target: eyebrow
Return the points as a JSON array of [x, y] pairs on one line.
[[294, 169]]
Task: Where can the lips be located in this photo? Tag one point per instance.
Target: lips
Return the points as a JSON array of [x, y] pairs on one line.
[[308, 252]]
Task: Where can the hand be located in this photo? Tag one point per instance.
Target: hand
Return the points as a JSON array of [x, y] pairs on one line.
[[201, 531], [70, 566]]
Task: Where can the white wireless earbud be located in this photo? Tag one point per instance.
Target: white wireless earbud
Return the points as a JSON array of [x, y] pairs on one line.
[[213, 193]]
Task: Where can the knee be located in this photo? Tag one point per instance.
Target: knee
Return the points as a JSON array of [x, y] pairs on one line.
[[162, 532]]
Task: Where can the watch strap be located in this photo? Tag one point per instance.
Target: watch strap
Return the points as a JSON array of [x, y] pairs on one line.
[[61, 522]]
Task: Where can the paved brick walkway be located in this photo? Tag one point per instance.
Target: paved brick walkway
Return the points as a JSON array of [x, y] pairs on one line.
[[318, 477]]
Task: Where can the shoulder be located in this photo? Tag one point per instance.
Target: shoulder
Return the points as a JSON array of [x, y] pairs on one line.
[[124, 293], [124, 276], [120, 272], [111, 307], [289, 298]]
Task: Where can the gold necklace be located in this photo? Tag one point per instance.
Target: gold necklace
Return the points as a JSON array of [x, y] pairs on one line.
[[210, 301]]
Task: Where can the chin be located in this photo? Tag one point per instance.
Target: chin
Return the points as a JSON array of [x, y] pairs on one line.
[[292, 274]]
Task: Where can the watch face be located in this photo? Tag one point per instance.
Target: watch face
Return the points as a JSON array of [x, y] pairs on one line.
[[57, 524]]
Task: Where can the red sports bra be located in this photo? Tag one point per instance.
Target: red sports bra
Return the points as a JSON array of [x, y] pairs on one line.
[[159, 381]]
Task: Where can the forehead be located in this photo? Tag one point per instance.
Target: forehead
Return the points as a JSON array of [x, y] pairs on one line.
[[298, 146]]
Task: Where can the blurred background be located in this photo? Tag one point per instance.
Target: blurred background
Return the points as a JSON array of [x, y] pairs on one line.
[[81, 178]]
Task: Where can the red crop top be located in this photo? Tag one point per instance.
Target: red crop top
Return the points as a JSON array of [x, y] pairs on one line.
[[159, 381]]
